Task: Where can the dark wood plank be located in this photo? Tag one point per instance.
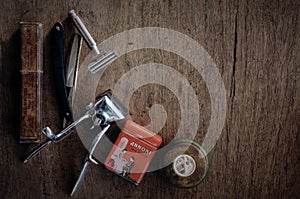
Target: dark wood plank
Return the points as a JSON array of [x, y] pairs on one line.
[[255, 45]]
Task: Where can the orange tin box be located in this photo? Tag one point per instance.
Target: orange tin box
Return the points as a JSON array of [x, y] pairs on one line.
[[132, 152]]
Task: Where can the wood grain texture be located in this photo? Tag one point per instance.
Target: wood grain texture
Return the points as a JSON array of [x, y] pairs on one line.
[[255, 45], [31, 35]]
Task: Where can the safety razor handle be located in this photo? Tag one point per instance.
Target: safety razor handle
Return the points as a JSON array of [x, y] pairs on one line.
[[83, 31]]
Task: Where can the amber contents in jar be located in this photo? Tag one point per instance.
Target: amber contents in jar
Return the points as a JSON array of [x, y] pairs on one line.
[[189, 164]]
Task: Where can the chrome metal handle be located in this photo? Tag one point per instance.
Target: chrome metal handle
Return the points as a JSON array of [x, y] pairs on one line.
[[83, 31]]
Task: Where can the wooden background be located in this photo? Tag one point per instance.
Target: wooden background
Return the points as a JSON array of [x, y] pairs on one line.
[[255, 45]]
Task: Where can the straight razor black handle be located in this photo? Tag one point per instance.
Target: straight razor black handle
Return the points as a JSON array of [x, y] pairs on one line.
[[57, 57]]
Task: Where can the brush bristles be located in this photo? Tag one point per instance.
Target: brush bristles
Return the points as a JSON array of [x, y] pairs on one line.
[[108, 58]]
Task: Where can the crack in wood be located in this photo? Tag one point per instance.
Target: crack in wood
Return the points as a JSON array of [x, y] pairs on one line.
[[232, 86]]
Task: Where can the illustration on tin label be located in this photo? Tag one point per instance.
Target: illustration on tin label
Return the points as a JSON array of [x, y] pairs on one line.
[[117, 161]]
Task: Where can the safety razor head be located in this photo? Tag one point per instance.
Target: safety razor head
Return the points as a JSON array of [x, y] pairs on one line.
[[102, 62]]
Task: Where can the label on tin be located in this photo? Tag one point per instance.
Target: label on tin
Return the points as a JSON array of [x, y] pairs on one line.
[[130, 157]]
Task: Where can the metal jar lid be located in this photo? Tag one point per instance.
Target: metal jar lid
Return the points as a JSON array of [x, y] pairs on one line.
[[189, 164]]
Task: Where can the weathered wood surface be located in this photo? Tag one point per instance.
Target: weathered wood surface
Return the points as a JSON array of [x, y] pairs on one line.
[[255, 45]]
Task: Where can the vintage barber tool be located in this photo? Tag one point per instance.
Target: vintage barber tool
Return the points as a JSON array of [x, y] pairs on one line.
[[88, 159], [72, 70], [31, 80], [57, 57], [188, 164], [91, 113], [65, 83], [108, 110], [72, 67], [102, 59]]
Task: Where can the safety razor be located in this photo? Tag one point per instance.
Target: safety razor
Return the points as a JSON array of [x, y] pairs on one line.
[[103, 58]]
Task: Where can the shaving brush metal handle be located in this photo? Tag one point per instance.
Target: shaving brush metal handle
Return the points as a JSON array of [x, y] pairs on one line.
[[83, 31]]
